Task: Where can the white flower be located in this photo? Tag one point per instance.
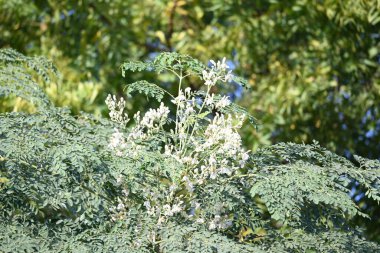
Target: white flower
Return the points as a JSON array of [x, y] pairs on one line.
[[220, 65], [116, 109], [213, 175], [117, 139], [119, 179], [212, 225], [223, 102], [212, 161], [157, 116], [189, 185], [176, 208], [244, 159], [220, 222], [228, 77], [136, 117], [210, 77], [245, 156], [150, 210], [136, 134], [209, 100], [225, 170], [200, 221], [180, 99], [117, 143], [125, 192], [173, 187], [147, 204], [226, 224], [120, 206], [222, 137], [169, 149], [167, 210], [189, 110], [217, 72], [170, 211], [188, 91]]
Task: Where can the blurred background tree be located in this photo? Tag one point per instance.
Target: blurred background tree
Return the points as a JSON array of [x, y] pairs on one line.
[[312, 66]]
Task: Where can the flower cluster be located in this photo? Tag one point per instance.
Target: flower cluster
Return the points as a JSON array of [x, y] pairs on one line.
[[217, 103], [117, 142], [154, 119], [219, 152], [171, 210], [218, 72], [116, 109], [120, 211], [204, 141], [151, 123], [220, 222]]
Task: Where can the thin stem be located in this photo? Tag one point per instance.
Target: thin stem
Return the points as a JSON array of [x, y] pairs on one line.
[[204, 101], [169, 94], [175, 73], [199, 112], [176, 113]]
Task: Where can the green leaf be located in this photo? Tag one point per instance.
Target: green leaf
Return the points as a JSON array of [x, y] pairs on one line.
[[147, 88]]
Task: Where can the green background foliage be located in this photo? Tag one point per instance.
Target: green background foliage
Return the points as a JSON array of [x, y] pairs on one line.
[[312, 66]]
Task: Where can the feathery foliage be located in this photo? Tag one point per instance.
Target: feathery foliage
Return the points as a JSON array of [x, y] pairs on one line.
[[149, 89], [16, 80], [169, 61], [176, 181]]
